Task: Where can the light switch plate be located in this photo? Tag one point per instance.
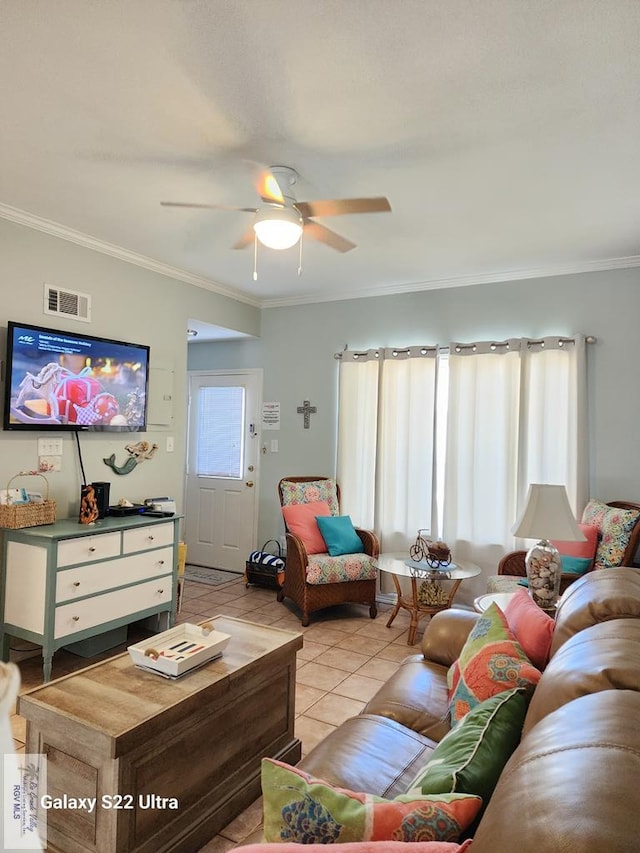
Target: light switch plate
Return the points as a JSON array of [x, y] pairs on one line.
[[49, 447]]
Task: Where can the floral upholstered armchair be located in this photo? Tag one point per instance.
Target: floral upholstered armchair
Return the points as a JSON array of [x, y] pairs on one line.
[[335, 566], [612, 533]]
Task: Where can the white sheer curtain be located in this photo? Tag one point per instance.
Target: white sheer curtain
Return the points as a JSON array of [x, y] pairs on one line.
[[386, 439], [357, 435], [516, 415], [406, 459]]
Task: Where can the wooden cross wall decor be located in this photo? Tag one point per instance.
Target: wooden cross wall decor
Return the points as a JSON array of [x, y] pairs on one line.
[[307, 410]]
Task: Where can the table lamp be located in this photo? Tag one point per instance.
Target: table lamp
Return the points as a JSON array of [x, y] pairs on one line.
[[547, 515]]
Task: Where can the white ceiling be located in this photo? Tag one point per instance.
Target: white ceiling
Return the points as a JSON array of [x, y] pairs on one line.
[[504, 133]]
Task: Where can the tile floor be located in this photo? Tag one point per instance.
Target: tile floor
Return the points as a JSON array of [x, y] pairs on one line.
[[345, 659]]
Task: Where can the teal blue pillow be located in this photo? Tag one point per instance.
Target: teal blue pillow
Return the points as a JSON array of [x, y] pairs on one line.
[[339, 535], [575, 565]]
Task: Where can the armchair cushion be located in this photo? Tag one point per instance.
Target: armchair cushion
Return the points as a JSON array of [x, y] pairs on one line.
[[301, 521], [616, 526], [340, 535], [294, 492], [323, 568]]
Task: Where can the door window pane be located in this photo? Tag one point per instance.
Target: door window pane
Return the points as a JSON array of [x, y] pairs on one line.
[[220, 432]]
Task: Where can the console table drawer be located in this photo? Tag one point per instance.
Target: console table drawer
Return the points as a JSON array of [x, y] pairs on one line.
[[143, 538], [87, 549], [100, 577], [90, 612]]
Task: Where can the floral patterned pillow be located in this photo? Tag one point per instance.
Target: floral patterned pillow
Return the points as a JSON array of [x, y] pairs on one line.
[[299, 808], [491, 661], [615, 525], [314, 490]]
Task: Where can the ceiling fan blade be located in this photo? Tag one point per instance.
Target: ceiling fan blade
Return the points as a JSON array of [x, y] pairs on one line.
[[246, 239], [207, 206], [326, 236], [265, 183], [339, 206]]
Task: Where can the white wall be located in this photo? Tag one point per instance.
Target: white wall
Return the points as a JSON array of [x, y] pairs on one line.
[[128, 303], [297, 346]]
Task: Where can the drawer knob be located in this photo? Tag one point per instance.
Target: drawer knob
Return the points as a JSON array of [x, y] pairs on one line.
[[76, 618], [92, 549], [160, 591], [150, 538], [76, 583], [161, 562]]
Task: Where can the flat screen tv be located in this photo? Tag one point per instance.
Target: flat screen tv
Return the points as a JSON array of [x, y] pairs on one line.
[[58, 380]]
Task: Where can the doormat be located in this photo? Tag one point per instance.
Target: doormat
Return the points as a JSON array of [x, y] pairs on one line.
[[213, 577]]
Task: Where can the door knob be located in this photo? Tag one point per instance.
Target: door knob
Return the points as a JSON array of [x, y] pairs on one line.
[[249, 483]]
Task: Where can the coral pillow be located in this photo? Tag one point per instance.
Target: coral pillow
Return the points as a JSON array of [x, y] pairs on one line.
[[577, 557], [531, 626], [301, 521], [299, 808], [491, 661]]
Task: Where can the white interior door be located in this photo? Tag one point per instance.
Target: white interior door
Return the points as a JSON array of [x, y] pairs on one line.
[[222, 468]]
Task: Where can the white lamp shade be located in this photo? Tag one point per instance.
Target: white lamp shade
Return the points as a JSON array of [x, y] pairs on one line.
[[278, 227], [548, 515]]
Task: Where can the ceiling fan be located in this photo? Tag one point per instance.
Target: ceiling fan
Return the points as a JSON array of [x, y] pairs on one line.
[[281, 220]]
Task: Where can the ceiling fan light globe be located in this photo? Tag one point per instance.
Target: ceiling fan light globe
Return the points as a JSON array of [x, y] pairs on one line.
[[280, 228]]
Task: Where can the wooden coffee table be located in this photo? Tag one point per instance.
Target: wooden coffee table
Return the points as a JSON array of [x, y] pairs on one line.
[[115, 731]]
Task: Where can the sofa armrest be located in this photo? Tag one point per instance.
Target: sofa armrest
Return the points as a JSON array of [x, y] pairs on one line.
[[446, 634]]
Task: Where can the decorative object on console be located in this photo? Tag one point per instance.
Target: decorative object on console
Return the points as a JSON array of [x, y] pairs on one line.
[[425, 550], [547, 515], [31, 514], [88, 505], [137, 453]]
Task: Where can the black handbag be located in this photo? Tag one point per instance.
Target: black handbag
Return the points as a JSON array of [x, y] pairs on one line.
[[264, 568]]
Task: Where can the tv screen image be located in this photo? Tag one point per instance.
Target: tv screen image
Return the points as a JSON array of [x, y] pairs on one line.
[[63, 380]]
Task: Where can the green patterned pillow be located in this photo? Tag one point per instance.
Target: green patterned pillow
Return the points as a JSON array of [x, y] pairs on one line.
[[310, 492], [299, 808], [615, 527], [471, 757], [491, 661]]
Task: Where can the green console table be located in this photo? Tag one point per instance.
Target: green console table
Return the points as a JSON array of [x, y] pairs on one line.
[[67, 582]]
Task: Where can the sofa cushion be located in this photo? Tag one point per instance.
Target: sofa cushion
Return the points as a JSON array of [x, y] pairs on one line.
[[491, 661], [369, 753], [310, 492], [301, 521], [572, 784], [301, 808], [596, 597], [470, 759], [531, 626], [416, 696], [323, 568], [340, 535], [615, 525], [605, 656]]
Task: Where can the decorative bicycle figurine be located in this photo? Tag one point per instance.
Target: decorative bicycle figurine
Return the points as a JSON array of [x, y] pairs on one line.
[[425, 550]]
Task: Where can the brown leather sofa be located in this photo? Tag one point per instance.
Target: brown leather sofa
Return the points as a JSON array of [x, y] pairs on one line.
[[572, 784]]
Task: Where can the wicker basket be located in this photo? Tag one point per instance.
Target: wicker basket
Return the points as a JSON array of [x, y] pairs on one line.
[[15, 516]]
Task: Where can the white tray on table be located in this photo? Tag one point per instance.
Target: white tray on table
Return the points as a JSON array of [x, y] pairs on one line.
[[179, 650]]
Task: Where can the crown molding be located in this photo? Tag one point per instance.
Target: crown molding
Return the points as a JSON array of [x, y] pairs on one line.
[[38, 223], [460, 281], [21, 217]]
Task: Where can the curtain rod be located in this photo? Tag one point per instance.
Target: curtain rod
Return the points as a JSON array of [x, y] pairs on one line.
[[589, 339]]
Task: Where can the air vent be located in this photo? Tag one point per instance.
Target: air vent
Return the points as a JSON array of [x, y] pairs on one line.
[[67, 303]]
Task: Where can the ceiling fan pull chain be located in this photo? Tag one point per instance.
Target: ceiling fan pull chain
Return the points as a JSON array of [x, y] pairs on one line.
[[300, 258], [255, 257]]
